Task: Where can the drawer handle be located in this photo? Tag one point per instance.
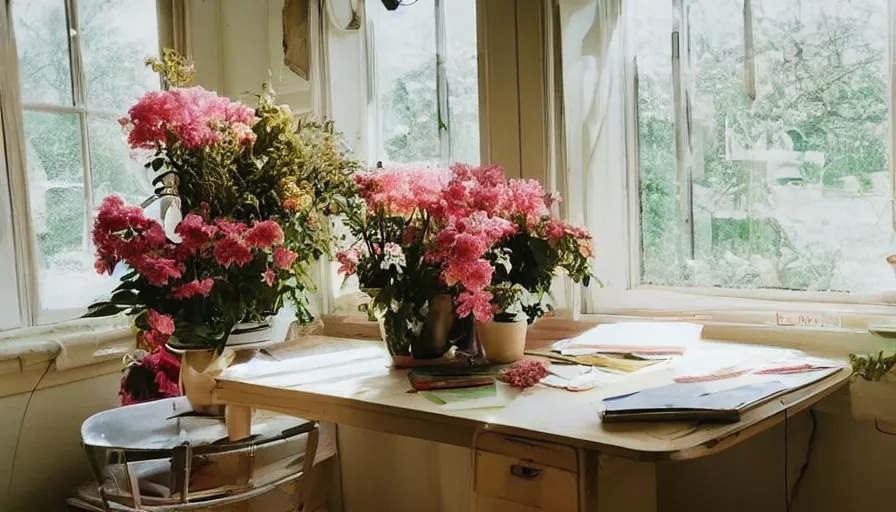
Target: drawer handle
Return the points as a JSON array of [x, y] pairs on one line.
[[518, 470]]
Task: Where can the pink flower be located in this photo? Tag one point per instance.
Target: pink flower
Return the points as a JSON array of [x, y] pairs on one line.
[[399, 191], [122, 232], [155, 237], [284, 258], [268, 277], [348, 260], [232, 249], [478, 304], [265, 234], [469, 247], [198, 118], [194, 287], [524, 374], [230, 228], [194, 232], [103, 267], [157, 271], [164, 324]]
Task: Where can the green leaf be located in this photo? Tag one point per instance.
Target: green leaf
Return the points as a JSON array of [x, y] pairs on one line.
[[125, 297], [100, 309]]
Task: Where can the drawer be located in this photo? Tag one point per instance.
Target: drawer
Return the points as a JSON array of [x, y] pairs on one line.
[[503, 483], [489, 504]]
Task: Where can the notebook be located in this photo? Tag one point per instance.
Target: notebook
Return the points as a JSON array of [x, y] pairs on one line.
[[688, 401], [451, 377]]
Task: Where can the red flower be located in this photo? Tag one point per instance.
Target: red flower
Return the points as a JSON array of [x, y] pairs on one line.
[[194, 232], [230, 228], [265, 234], [194, 287], [284, 258], [157, 270], [232, 249], [153, 377], [268, 277], [159, 322]]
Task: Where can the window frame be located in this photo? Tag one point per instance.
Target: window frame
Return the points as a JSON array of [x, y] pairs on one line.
[[623, 294], [30, 312], [372, 91]]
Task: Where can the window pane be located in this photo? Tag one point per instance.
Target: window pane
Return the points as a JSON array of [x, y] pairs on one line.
[[65, 264], [463, 80], [116, 37], [790, 189], [42, 42], [405, 55], [113, 171], [649, 38]]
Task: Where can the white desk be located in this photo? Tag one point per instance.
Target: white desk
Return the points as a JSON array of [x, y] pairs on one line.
[[552, 432]]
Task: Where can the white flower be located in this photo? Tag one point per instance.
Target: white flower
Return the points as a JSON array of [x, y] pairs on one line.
[[393, 256]]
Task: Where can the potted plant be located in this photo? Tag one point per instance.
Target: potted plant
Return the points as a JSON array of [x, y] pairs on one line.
[[393, 221], [520, 246], [245, 194], [489, 242], [873, 386]]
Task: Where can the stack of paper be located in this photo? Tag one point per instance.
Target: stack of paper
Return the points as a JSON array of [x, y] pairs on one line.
[[635, 338]]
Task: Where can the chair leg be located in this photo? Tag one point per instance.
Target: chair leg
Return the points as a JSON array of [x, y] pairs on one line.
[[306, 485]]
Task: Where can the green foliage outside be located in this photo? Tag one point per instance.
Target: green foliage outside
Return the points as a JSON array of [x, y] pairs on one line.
[[822, 92]]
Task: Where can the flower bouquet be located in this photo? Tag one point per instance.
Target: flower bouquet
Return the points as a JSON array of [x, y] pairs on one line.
[[244, 194], [467, 233]]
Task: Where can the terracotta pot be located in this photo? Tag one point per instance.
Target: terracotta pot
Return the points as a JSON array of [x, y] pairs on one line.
[[503, 342]]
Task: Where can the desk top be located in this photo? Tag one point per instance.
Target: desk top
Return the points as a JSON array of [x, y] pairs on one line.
[[350, 382]]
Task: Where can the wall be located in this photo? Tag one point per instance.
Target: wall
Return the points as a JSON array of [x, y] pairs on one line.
[[236, 45], [41, 460]]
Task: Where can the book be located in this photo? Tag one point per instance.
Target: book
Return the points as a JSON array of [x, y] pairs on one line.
[[451, 377], [689, 401]]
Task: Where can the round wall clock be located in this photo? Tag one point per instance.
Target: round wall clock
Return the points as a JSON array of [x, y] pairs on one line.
[[345, 14]]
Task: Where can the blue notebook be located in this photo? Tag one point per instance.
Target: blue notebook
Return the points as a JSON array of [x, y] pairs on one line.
[[688, 401]]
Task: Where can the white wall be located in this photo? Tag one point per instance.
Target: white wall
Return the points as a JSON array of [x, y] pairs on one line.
[[237, 44], [41, 460]]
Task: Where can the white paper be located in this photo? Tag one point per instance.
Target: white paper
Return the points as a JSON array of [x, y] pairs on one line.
[[326, 442], [633, 334]]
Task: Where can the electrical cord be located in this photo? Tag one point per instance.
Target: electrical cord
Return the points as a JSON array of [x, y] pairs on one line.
[[881, 429], [15, 453], [794, 491]]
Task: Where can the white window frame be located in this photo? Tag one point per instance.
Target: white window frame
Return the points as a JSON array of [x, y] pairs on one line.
[[446, 155], [29, 311], [624, 296]]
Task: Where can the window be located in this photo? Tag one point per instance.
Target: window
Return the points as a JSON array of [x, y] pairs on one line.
[[763, 144], [424, 92], [80, 66], [425, 82]]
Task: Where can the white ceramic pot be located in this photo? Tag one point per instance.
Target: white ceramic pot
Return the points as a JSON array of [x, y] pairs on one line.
[[873, 399], [248, 333], [503, 342]]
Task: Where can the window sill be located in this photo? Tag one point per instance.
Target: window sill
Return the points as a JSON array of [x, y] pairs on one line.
[[838, 342], [67, 345]]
